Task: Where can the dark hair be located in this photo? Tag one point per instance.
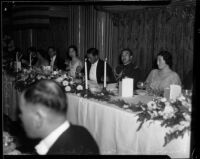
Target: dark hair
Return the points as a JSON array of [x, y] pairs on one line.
[[73, 47], [52, 47], [42, 53], [167, 57], [48, 93], [93, 51], [129, 50]]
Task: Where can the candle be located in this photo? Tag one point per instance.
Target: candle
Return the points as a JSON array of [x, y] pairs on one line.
[[104, 81], [86, 75], [16, 56], [30, 59]]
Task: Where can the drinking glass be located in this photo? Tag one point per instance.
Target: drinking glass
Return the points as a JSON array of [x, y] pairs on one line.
[[141, 85], [187, 93]]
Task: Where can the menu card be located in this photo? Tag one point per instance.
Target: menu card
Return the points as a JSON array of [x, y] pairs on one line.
[[173, 92], [126, 87]]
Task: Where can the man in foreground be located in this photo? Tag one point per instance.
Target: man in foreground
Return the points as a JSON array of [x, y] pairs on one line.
[[43, 113]]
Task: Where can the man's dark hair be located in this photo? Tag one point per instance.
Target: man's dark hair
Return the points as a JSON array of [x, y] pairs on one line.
[[167, 56], [52, 47], [93, 51], [129, 50], [48, 93]]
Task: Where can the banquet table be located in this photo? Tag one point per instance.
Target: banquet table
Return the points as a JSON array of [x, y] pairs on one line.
[[115, 129]]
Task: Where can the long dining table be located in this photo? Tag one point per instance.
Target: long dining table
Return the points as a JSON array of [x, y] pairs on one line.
[[113, 128]]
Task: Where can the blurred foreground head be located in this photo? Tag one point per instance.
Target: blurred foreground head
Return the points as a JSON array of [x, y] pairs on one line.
[[42, 108]]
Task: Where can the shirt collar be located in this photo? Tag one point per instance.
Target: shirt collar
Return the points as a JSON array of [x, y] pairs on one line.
[[96, 62], [43, 147], [53, 57]]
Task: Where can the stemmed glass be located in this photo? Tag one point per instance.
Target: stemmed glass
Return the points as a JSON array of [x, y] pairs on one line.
[[187, 93], [141, 85]]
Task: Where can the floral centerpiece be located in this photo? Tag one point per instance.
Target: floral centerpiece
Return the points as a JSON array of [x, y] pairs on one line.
[[9, 147], [173, 114]]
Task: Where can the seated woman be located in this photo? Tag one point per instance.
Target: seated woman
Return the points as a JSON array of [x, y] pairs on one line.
[[41, 59], [75, 65], [163, 77]]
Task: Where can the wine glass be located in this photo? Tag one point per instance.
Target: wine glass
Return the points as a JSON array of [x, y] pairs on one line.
[[141, 85], [187, 93]]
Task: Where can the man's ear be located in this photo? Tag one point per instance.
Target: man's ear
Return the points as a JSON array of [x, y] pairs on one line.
[[38, 119]]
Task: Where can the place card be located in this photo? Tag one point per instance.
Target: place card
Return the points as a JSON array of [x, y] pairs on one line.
[[126, 87], [173, 92]]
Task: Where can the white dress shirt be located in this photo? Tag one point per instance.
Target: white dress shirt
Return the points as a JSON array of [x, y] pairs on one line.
[[53, 60], [93, 72], [43, 147]]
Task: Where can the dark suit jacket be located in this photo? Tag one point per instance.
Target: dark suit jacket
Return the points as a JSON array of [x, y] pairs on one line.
[[58, 63], [76, 140], [131, 70], [100, 72]]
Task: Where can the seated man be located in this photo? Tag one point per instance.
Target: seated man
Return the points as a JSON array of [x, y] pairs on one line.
[[96, 68], [43, 113], [127, 69], [54, 60]]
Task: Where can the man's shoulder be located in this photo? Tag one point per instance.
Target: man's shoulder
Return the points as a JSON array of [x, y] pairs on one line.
[[133, 66]]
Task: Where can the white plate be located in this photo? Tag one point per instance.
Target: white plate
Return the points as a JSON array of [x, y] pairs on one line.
[[141, 92]]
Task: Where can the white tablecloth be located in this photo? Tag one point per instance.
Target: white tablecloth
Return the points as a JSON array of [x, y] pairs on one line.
[[114, 129], [9, 96]]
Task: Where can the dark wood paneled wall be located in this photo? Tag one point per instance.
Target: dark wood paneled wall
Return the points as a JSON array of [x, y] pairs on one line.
[[147, 31]]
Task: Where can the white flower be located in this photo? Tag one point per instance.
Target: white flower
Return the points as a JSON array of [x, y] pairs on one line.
[[79, 87], [181, 98], [163, 99], [153, 114], [78, 94], [71, 82], [39, 77], [151, 105], [55, 72], [168, 112], [64, 76], [125, 106], [187, 117], [172, 101], [65, 83], [160, 113], [67, 88], [178, 127], [59, 79], [185, 123]]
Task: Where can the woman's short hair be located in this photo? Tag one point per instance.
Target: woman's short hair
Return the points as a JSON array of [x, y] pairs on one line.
[[48, 93], [93, 51], [74, 48], [167, 56]]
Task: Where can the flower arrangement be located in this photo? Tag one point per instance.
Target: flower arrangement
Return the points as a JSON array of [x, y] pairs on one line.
[[173, 114], [9, 147]]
